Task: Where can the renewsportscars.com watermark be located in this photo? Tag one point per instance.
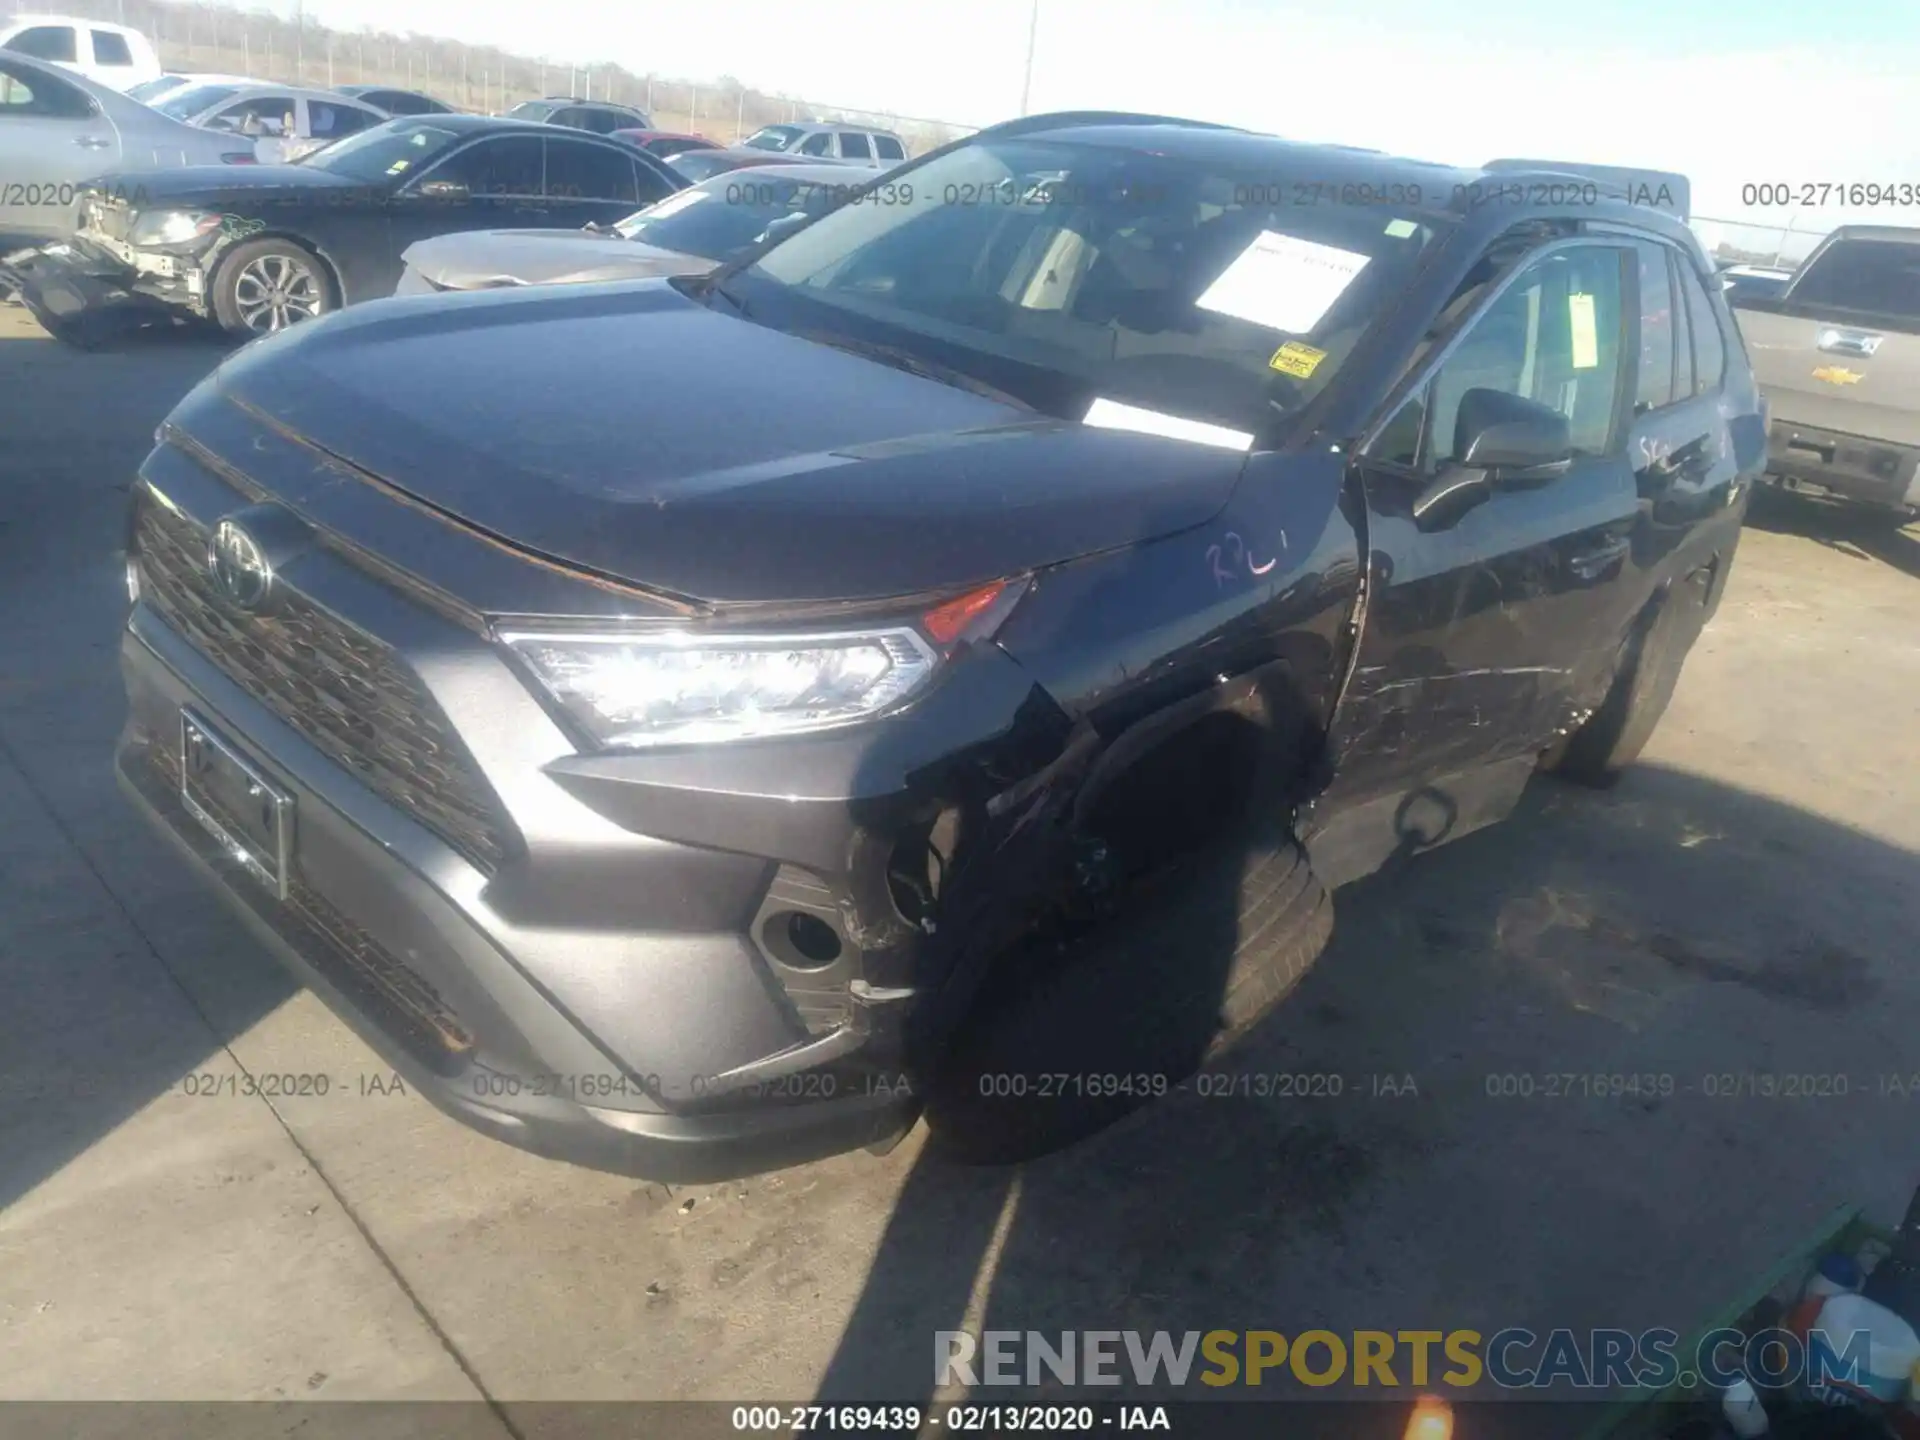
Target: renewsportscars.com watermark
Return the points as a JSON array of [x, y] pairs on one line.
[[1511, 1359]]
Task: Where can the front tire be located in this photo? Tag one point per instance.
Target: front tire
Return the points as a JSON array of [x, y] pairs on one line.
[[1070, 1042], [268, 285]]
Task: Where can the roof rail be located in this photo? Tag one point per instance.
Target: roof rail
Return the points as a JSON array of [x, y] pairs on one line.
[[1057, 118]]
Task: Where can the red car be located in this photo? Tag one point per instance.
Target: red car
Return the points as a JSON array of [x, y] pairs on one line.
[[662, 143]]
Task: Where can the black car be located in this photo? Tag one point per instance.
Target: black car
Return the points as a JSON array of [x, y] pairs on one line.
[[261, 247], [941, 660], [397, 102]]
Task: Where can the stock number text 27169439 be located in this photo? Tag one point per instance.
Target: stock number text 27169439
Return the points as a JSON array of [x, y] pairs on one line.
[[1812, 194]]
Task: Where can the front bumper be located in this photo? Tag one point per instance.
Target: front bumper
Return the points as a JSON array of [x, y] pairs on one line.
[[592, 965], [1880, 474], [70, 284], [406, 964]]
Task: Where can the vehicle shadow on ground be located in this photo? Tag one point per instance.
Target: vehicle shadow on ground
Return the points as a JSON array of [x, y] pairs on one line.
[[1846, 531], [1671, 926], [91, 1027]]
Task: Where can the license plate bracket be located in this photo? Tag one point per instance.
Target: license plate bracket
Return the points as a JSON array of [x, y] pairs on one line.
[[250, 815]]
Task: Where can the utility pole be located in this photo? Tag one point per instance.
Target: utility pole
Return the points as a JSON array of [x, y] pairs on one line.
[[1033, 31], [740, 116], [299, 35]]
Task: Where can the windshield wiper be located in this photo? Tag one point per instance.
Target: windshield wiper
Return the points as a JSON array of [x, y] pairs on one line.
[[901, 358]]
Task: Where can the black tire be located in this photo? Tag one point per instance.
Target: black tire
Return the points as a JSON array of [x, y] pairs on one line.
[[245, 276], [1154, 992], [1613, 736]]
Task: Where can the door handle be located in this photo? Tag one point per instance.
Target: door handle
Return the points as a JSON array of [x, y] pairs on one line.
[[1839, 341], [1592, 564], [92, 142]]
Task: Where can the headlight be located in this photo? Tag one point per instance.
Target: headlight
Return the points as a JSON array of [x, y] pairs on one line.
[[170, 227], [672, 689]]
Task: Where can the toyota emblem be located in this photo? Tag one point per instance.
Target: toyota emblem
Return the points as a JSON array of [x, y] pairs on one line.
[[239, 566]]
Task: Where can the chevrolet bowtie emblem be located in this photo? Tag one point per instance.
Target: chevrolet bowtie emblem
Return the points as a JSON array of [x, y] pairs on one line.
[[1837, 375]]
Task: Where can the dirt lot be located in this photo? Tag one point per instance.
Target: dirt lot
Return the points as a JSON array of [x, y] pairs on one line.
[[1745, 902]]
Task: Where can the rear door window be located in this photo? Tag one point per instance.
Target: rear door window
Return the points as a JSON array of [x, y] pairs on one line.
[[585, 171], [819, 143], [854, 147], [1876, 277], [110, 49], [888, 148], [47, 42], [1656, 386]]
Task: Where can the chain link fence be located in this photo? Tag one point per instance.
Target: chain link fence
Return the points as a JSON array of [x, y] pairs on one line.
[[220, 38], [1746, 242]]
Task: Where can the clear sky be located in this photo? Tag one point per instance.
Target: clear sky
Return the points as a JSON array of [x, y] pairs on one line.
[[1767, 91]]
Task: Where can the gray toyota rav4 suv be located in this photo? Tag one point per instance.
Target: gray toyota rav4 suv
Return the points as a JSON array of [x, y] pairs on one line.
[[939, 660]]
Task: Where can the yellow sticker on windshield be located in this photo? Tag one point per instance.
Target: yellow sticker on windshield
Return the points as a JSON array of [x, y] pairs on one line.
[[1296, 359], [1586, 335]]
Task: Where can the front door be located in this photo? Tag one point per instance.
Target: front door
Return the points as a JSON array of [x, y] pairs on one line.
[[491, 184], [1485, 633]]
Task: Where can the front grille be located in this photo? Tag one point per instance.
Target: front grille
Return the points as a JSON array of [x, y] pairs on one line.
[[344, 691], [408, 1007]]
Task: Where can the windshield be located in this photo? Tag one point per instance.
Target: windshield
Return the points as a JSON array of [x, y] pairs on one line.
[[726, 214], [147, 89], [386, 152], [773, 137], [185, 104], [1068, 274]]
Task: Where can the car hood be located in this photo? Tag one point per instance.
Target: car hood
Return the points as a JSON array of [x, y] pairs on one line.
[[632, 432], [225, 185], [482, 258]]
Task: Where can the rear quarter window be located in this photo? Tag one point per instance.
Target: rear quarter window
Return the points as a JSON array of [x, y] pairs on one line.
[[1876, 277]]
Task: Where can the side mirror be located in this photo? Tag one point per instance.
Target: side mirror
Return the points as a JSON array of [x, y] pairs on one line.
[[1501, 439], [1509, 433], [781, 228], [443, 190]]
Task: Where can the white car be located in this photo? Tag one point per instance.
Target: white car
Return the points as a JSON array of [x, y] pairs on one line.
[[282, 122], [116, 56], [58, 129], [152, 92]]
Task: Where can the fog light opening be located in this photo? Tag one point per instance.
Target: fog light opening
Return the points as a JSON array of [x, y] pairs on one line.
[[811, 938]]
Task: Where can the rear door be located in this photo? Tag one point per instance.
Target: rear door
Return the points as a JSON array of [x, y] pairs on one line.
[[1485, 635], [52, 137], [1680, 447]]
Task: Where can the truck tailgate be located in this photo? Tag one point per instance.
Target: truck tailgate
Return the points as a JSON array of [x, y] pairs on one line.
[[1813, 373]]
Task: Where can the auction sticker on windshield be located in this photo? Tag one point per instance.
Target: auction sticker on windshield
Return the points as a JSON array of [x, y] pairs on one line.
[[1112, 415], [1296, 359], [1283, 282]]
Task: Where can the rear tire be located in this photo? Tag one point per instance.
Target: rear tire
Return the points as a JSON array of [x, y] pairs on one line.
[[1614, 735], [268, 285], [1147, 997]]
